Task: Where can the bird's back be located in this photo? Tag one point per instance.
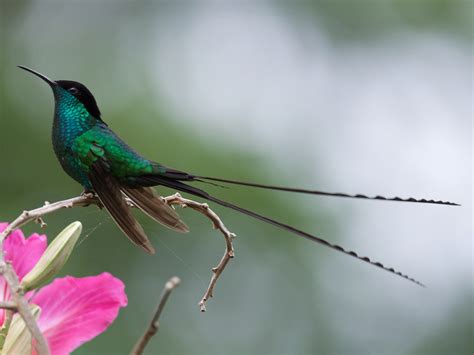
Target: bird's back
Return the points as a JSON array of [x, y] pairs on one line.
[[101, 143]]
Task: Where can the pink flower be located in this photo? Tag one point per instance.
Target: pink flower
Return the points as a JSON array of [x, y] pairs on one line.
[[73, 310]]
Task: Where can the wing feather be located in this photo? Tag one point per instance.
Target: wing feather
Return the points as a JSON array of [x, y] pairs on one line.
[[153, 205], [108, 190]]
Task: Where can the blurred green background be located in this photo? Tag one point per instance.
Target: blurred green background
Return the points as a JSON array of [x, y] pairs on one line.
[[358, 96]]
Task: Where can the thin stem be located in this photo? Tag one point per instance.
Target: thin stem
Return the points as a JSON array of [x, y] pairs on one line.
[[8, 305], [11, 277], [203, 208], [21, 305], [154, 324]]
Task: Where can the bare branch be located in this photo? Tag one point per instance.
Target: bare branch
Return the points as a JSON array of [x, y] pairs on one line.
[[154, 324], [21, 305], [6, 270], [8, 305], [38, 213], [203, 208]]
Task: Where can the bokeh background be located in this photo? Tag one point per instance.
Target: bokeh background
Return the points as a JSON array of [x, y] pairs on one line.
[[367, 97]]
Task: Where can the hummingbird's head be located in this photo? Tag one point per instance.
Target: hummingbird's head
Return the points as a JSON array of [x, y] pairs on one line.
[[70, 90], [80, 92]]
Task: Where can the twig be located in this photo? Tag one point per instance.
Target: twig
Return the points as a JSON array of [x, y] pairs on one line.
[[154, 324], [21, 305], [203, 208], [6, 270], [10, 305], [38, 213]]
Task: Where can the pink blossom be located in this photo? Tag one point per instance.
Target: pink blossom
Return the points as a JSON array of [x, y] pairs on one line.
[[73, 310], [23, 254]]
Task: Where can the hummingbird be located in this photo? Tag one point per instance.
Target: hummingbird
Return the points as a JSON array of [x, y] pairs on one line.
[[92, 154]]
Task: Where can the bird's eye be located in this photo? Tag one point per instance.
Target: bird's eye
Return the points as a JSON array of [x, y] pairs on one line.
[[73, 90]]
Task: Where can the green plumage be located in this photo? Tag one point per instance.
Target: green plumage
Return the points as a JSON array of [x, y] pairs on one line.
[[81, 140], [93, 155], [100, 143]]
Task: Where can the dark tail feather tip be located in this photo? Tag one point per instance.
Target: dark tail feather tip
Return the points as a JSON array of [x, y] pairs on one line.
[[323, 193]]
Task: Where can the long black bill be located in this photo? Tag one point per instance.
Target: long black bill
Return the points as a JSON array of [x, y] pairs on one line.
[[323, 193], [39, 75]]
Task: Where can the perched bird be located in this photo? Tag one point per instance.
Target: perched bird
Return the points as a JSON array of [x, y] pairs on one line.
[[93, 155]]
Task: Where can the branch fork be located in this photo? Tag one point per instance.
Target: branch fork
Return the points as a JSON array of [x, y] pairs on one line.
[[217, 223], [20, 304]]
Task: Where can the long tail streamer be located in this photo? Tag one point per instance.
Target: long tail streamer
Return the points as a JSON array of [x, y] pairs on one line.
[[323, 193], [180, 186]]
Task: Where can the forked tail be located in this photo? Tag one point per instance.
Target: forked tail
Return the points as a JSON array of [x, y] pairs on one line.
[[180, 186]]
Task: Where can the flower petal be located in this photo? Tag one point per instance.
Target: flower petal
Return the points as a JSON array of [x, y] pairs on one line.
[[75, 310], [23, 253]]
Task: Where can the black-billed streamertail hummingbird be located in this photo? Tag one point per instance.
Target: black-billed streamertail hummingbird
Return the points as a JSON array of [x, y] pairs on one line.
[[93, 155]]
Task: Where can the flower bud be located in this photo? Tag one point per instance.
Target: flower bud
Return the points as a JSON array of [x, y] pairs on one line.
[[18, 340], [54, 258]]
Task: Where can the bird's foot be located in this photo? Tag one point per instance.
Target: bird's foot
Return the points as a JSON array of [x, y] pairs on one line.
[[89, 194]]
